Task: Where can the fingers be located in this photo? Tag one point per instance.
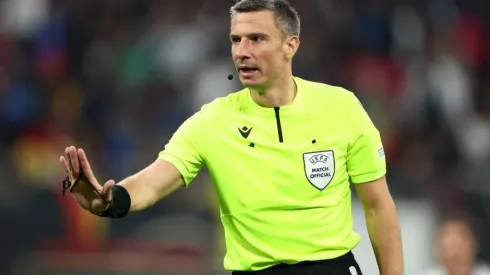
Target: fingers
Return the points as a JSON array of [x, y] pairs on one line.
[[67, 163], [83, 161], [74, 160], [103, 202], [66, 168], [88, 192], [71, 153], [106, 191]]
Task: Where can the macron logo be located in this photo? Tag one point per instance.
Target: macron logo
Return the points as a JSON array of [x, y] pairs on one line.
[[244, 131]]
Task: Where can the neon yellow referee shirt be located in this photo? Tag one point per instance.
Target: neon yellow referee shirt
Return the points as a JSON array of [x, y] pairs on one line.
[[282, 174]]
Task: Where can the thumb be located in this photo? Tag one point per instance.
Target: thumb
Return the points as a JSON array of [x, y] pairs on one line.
[[106, 190]]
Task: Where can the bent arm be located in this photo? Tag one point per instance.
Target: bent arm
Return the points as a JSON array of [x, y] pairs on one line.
[[152, 184], [382, 225], [176, 166]]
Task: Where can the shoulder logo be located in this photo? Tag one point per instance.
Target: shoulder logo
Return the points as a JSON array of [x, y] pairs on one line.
[[245, 131], [319, 168]]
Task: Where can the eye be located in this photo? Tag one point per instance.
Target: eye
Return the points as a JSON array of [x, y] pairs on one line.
[[235, 39], [256, 38]]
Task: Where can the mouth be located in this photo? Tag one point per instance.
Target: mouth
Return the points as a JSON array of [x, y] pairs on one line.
[[247, 71]]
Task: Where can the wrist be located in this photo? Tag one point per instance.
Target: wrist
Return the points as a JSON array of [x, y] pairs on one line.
[[120, 204]]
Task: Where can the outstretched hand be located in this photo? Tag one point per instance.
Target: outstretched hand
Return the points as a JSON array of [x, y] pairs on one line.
[[89, 194]]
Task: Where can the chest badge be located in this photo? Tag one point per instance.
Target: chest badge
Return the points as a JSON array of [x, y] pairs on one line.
[[319, 168], [245, 131]]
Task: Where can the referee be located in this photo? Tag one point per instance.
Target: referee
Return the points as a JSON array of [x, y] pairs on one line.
[[282, 153]]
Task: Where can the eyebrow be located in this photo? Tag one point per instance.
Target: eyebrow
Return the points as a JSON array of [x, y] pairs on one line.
[[249, 35]]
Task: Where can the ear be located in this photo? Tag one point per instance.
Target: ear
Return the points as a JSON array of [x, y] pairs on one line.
[[292, 46]]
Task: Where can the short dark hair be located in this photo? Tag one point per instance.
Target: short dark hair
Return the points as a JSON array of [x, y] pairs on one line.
[[286, 16], [462, 218]]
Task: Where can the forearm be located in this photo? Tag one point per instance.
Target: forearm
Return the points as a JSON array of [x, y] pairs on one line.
[[140, 192], [151, 184], [384, 233]]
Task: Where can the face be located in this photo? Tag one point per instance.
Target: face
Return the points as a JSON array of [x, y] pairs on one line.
[[260, 50], [456, 243]]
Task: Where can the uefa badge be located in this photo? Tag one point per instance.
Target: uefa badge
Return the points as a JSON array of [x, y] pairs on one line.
[[319, 168]]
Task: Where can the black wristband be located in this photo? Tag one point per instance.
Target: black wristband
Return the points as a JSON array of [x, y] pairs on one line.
[[120, 204]]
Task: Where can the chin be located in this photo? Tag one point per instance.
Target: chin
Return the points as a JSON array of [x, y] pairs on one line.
[[252, 83]]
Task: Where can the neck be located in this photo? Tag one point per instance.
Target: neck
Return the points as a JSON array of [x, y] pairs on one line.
[[279, 94]]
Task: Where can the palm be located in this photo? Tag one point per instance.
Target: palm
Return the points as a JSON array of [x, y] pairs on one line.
[[87, 190]]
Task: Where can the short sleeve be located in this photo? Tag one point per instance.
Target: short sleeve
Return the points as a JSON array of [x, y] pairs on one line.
[[365, 154], [183, 149]]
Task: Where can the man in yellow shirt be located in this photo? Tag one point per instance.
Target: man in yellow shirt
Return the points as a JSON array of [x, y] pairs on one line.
[[282, 153]]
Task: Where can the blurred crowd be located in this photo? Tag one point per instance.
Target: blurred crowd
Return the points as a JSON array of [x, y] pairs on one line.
[[117, 77]]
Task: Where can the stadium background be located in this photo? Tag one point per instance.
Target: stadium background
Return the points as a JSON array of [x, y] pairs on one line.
[[117, 77]]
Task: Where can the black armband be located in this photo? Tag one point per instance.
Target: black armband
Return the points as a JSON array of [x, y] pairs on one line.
[[119, 205]]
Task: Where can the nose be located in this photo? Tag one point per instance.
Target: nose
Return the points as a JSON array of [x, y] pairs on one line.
[[243, 50]]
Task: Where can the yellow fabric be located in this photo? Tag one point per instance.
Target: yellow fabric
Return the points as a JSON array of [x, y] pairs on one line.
[[282, 202]]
